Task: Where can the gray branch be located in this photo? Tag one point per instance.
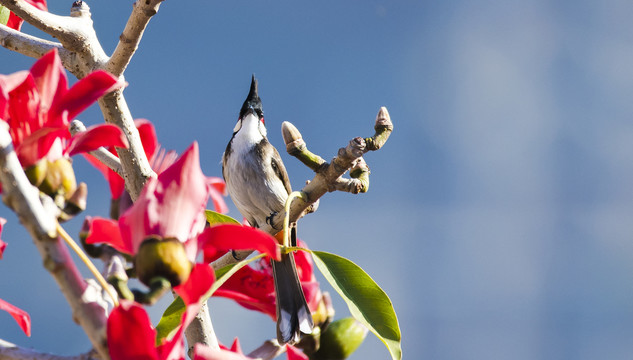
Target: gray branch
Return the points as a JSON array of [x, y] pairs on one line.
[[327, 178], [9, 351], [269, 350], [141, 14], [29, 45]]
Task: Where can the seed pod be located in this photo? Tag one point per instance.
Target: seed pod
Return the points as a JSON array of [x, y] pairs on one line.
[[340, 339], [164, 258]]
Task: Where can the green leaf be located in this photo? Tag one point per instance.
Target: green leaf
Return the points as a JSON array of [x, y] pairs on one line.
[[4, 15], [170, 321], [216, 218], [367, 302]]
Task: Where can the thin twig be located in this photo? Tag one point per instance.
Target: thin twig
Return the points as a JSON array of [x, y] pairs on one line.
[[9, 351], [270, 349], [84, 258], [141, 14], [103, 155]]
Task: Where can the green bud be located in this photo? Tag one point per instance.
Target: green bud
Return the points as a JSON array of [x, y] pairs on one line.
[[164, 258], [36, 173], [340, 339]]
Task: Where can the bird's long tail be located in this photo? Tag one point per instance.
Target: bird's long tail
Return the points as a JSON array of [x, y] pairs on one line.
[[293, 314]]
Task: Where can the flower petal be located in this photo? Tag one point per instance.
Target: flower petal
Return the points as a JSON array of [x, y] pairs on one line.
[[15, 22], [7, 84], [141, 219], [83, 94], [3, 245], [106, 231], [50, 79], [115, 181], [95, 137], [236, 347], [24, 118], [217, 191], [252, 289], [21, 317], [147, 133], [199, 282], [222, 238], [39, 144], [130, 333], [182, 196], [40, 4], [295, 354]]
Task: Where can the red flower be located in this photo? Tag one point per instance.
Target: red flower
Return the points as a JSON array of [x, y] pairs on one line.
[[253, 286], [173, 206], [38, 107], [130, 332], [160, 160], [15, 22]]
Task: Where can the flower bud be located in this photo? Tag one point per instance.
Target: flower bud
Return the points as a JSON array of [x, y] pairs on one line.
[[59, 179], [37, 172], [340, 339], [164, 258]]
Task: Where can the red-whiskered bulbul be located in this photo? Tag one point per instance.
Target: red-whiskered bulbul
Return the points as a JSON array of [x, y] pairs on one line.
[[258, 184]]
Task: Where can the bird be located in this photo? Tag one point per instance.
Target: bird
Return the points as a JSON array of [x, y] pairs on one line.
[[257, 182]]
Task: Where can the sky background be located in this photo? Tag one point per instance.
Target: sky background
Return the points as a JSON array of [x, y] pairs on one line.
[[500, 213]]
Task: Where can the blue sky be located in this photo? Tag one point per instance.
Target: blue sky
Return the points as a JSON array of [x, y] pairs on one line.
[[500, 213]]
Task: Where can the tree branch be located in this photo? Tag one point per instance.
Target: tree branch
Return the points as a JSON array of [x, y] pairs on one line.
[[24, 200], [270, 349], [328, 175], [200, 331], [136, 168], [141, 14], [103, 155], [29, 45], [9, 351], [74, 31]]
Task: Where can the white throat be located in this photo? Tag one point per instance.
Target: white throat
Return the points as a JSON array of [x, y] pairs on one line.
[[251, 133]]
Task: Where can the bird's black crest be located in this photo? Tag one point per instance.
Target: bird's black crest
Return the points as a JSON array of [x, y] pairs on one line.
[[253, 102]]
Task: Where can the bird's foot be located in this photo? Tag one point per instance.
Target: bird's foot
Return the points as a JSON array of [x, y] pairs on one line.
[[269, 219]]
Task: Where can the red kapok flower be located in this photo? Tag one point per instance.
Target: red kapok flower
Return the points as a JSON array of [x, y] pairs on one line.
[[38, 106], [130, 332], [15, 22], [160, 160], [171, 211]]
